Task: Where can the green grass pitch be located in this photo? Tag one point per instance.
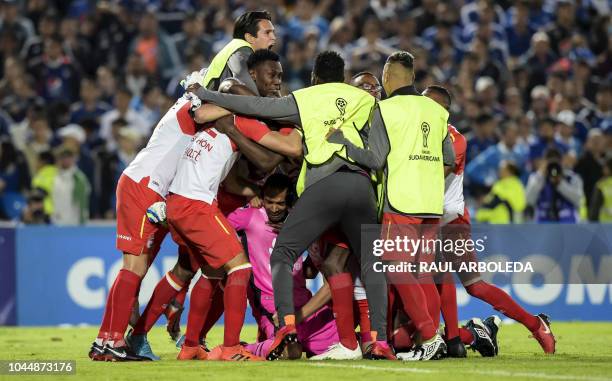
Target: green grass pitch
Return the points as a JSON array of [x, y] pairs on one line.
[[583, 353]]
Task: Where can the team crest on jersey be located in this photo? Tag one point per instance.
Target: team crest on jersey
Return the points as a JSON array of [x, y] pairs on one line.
[[425, 128], [341, 105]]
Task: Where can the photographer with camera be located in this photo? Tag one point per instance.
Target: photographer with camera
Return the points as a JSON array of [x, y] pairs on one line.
[[553, 191]]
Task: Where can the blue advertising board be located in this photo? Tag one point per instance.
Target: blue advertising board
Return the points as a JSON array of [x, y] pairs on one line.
[[8, 298], [63, 274]]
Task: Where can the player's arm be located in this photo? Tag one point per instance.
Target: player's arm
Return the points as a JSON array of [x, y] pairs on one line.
[[282, 109], [208, 113], [448, 154], [235, 184], [318, 300], [374, 156], [260, 156]]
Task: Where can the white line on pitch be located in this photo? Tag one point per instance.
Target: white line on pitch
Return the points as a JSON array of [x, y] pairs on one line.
[[480, 372]]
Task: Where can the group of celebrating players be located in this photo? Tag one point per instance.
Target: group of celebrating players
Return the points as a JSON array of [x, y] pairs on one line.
[[317, 165]]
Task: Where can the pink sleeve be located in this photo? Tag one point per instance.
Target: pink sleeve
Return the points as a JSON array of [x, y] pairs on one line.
[[240, 218]]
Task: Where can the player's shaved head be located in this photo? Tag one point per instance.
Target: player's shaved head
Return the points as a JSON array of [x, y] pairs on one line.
[[398, 71], [439, 94]]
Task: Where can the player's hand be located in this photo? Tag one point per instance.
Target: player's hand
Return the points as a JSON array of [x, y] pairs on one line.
[[275, 320], [156, 213], [255, 202], [335, 135], [194, 80], [196, 103]]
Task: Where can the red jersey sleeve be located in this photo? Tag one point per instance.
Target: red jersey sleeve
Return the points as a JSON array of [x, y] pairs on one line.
[[251, 128], [285, 130], [460, 146]]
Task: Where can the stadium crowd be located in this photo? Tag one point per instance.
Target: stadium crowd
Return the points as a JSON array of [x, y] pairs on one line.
[[82, 84]]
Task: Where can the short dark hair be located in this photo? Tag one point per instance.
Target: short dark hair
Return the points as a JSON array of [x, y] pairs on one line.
[[261, 55], [443, 91], [553, 153], [362, 73], [248, 23], [402, 57], [276, 184], [329, 67]]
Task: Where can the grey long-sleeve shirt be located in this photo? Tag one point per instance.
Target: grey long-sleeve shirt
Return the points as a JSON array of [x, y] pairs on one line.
[[237, 68], [282, 109]]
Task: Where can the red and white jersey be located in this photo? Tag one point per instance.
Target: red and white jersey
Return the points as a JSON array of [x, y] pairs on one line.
[[159, 159], [207, 160], [454, 203]]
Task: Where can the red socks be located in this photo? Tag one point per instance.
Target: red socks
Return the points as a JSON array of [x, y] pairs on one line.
[[433, 301], [341, 286], [104, 332], [414, 302], [448, 306], [167, 288], [123, 297], [214, 312], [503, 303], [201, 296], [362, 308], [235, 300]]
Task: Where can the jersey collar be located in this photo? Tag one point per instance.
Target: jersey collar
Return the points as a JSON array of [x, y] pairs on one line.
[[406, 90]]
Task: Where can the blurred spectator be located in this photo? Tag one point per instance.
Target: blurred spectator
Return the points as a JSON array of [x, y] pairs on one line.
[[539, 59], [107, 84], [519, 31], [33, 49], [11, 21], [5, 124], [112, 165], [553, 191], [195, 62], [486, 94], [122, 110], [591, 163], [136, 75], [90, 106], [341, 32], [306, 17], [39, 141], [562, 28], [540, 103], [14, 178], [599, 116], [565, 132], [77, 48], [600, 209], [370, 51], [425, 15], [149, 105], [156, 48], [506, 201], [481, 137], [544, 140], [34, 212], [296, 71], [483, 169], [57, 78], [193, 39], [66, 186], [21, 97]]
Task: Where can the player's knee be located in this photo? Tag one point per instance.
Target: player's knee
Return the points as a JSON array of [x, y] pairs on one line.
[[239, 260], [182, 273], [138, 264]]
